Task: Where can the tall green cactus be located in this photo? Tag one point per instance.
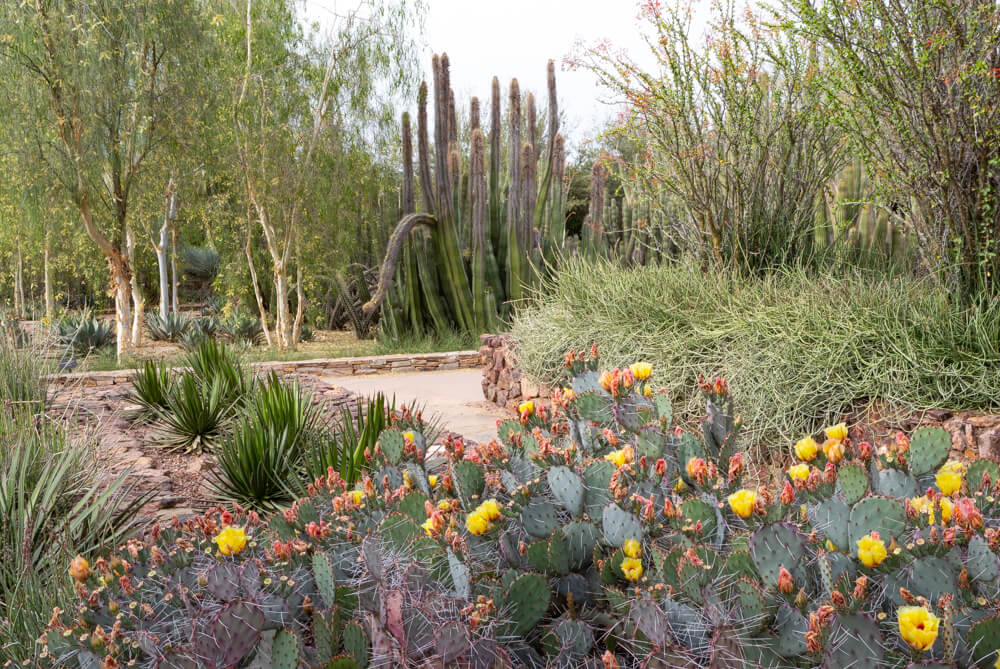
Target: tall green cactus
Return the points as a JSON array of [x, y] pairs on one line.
[[485, 228]]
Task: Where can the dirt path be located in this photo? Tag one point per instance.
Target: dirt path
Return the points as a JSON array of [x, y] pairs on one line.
[[456, 396]]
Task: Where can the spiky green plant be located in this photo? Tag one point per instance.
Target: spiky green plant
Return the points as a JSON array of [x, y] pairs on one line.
[[167, 327], [83, 333], [343, 446], [196, 414], [152, 387]]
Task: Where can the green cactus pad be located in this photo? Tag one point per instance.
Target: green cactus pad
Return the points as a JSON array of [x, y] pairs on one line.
[[974, 475], [696, 509], [611, 571], [568, 639], [391, 441], [324, 638], [855, 642], [343, 662], [664, 409], [356, 642], [558, 555], [468, 480], [852, 482], [739, 563], [687, 625], [932, 577], [633, 412], [451, 641], [651, 621], [526, 599], [650, 442], [568, 488], [223, 581], [459, 573], [588, 381], [831, 518], [688, 446], [582, 590], [897, 484], [726, 650], [538, 518], [393, 474], [983, 640], [984, 568], [619, 525], [326, 583], [597, 476], [790, 629], [235, 632], [595, 406], [285, 650], [929, 449], [876, 514], [508, 429], [585, 435], [522, 469], [412, 505], [581, 537], [777, 544], [538, 555], [753, 606], [400, 530]]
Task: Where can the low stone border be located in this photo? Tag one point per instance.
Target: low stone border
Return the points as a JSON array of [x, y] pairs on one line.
[[397, 363], [503, 382]]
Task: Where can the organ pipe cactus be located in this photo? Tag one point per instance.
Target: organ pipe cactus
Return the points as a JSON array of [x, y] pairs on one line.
[[484, 228]]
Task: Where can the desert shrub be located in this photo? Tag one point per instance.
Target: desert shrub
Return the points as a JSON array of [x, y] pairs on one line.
[[212, 361], [798, 349], [21, 385], [243, 329], [595, 534], [167, 327]]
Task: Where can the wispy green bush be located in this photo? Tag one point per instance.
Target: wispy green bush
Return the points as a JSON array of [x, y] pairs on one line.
[[797, 350]]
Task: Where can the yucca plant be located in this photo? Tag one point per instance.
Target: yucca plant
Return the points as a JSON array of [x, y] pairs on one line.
[[201, 262], [167, 327], [196, 414], [242, 328], [343, 447], [152, 386], [211, 360]]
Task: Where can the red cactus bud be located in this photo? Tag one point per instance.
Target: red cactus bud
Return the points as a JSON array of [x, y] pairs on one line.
[[609, 660], [838, 599], [864, 450], [787, 494], [967, 515], [860, 587], [786, 583], [661, 467]]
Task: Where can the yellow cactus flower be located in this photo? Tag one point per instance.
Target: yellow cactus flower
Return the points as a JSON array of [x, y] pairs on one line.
[[526, 408], [680, 486], [917, 626], [947, 506], [620, 458], [838, 432], [871, 550], [632, 548], [833, 450], [949, 478], [647, 391], [490, 509], [476, 523], [428, 526], [806, 449], [432, 479], [605, 379], [742, 502], [231, 540], [357, 496], [407, 483], [924, 505], [641, 370], [409, 436], [830, 546], [799, 472], [632, 569], [444, 505], [568, 394], [79, 568]]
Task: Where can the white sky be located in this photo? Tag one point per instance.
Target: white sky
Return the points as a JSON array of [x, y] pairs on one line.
[[515, 38]]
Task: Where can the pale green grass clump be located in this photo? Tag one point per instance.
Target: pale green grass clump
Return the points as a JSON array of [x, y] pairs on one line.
[[797, 350]]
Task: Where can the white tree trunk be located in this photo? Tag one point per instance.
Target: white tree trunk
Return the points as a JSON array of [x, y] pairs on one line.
[[19, 283], [161, 266], [47, 278], [138, 303], [123, 307], [282, 320], [173, 268]]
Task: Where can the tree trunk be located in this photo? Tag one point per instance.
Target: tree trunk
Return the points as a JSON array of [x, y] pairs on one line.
[[173, 268], [256, 286], [163, 244], [47, 278], [138, 303], [120, 274], [300, 297], [19, 283], [281, 325]]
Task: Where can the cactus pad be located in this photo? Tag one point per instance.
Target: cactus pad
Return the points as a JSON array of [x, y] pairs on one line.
[[597, 477], [451, 641], [688, 446], [753, 608], [235, 632], [896, 483], [698, 510], [854, 641], [223, 581], [777, 544], [583, 591], [651, 621], [633, 412], [831, 518], [568, 488], [932, 577], [468, 479], [539, 518], [595, 406], [356, 642], [508, 429], [619, 525], [983, 566], [650, 442], [581, 537], [876, 514], [285, 650], [326, 583], [526, 600], [413, 505], [929, 448], [852, 482], [983, 640], [790, 631], [391, 442]]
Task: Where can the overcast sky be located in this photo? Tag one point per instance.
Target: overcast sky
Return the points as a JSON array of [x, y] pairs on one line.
[[515, 38]]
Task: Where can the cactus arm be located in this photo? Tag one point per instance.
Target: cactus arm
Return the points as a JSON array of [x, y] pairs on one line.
[[392, 251]]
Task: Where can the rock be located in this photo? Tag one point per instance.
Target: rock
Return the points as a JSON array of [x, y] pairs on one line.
[[988, 443], [170, 501]]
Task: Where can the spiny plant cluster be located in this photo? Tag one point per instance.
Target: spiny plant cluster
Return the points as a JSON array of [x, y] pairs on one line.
[[592, 533]]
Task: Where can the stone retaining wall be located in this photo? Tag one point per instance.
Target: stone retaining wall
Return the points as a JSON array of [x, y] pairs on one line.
[[503, 382], [399, 363]]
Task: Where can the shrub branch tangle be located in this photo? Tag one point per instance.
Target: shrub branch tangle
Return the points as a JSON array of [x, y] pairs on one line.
[[917, 89], [736, 132]]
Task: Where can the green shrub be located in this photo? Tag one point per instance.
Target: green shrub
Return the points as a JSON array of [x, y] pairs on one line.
[[167, 327], [197, 413], [798, 350], [21, 386], [152, 387], [243, 329], [343, 447], [83, 333], [597, 533], [210, 361]]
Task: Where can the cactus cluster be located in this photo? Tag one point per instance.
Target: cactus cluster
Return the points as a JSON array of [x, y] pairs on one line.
[[591, 533]]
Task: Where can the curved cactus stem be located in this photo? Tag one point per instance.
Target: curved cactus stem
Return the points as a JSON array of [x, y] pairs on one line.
[[392, 251]]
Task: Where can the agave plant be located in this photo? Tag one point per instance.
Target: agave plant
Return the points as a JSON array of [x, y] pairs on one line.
[[201, 262], [208, 326], [152, 387], [84, 333], [166, 327], [211, 360], [196, 414], [242, 328]]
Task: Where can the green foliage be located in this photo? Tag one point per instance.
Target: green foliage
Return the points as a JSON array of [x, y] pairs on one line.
[[200, 263], [167, 327], [798, 349], [83, 333], [343, 446], [242, 328], [196, 414], [152, 388]]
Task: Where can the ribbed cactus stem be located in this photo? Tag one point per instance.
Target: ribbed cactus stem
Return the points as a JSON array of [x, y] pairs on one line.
[[480, 248], [496, 212], [516, 255], [553, 128], [423, 150], [452, 118], [531, 112], [473, 114], [407, 198]]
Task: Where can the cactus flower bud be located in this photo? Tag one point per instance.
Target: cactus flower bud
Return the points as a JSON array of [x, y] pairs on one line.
[[787, 494], [860, 587], [838, 599], [967, 515], [609, 660], [79, 568], [864, 450], [661, 467], [786, 584]]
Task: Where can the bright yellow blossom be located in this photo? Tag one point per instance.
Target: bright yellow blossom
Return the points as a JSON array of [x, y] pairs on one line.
[[949, 477], [871, 550], [632, 569], [526, 408], [428, 526], [838, 432], [833, 450], [409, 436], [231, 540], [924, 505], [432, 479], [476, 523], [742, 502], [799, 472], [806, 449], [621, 457], [632, 548], [490, 509], [641, 370], [357, 496], [917, 626]]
